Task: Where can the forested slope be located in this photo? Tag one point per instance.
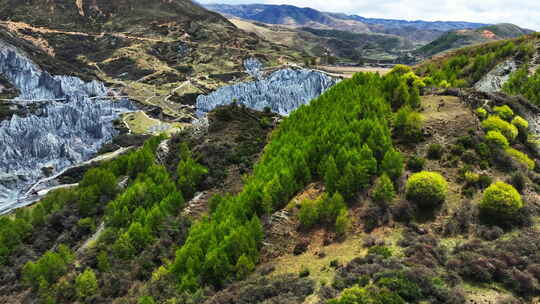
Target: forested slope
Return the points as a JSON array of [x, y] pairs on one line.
[[394, 189]]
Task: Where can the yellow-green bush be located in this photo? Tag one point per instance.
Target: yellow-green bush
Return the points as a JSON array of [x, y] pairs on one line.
[[497, 139], [426, 188], [504, 112], [495, 123], [521, 157], [472, 178], [501, 199], [444, 84], [482, 113], [520, 123]]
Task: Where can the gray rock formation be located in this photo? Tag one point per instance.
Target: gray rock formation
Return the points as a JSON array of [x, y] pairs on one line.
[[494, 80], [254, 68], [283, 92], [67, 132]]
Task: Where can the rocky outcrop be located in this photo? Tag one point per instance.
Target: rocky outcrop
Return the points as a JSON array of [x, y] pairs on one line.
[[68, 130], [283, 92], [494, 80], [254, 68]]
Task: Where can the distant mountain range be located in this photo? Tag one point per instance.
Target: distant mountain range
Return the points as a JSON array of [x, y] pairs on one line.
[[417, 31], [354, 37]]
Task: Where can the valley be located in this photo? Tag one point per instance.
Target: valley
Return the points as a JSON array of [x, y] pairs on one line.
[[159, 152]]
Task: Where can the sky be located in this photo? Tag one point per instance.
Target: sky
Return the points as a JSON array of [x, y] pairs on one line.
[[525, 13]]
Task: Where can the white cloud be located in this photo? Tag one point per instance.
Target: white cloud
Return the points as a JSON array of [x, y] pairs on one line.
[[525, 13]]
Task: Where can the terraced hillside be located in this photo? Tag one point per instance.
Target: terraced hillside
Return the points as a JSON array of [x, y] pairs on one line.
[[153, 54]]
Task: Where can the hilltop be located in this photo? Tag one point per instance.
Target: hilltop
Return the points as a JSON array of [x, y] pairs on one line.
[[459, 38]]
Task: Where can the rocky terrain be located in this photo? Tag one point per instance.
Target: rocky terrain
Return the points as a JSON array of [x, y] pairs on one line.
[[70, 121], [281, 92]]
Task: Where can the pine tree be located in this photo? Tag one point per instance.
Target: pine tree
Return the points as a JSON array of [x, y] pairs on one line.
[[342, 222], [86, 284], [384, 192], [401, 96], [347, 182], [244, 266], [331, 175], [392, 164]]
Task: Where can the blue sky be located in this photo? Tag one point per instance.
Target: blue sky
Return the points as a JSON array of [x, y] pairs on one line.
[[525, 13]]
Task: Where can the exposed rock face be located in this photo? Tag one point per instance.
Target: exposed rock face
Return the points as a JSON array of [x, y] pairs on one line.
[[253, 67], [283, 92], [66, 132], [494, 80]]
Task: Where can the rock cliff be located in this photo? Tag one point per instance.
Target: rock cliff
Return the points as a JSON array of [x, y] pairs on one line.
[[75, 118]]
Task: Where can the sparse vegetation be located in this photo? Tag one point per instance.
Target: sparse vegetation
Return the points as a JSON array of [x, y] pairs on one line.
[[495, 123], [496, 140]]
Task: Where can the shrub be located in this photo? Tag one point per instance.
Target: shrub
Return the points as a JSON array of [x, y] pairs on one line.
[[304, 273], [408, 125], [384, 190], [87, 224], [426, 188], [501, 199], [383, 251], [444, 84], [504, 112], [49, 268], [309, 214], [457, 149], [495, 123], [472, 178], [518, 180], [521, 158], [146, 300], [401, 285], [372, 295], [520, 123], [244, 266], [482, 113], [435, 151], [469, 157], [86, 284], [416, 163], [497, 140]]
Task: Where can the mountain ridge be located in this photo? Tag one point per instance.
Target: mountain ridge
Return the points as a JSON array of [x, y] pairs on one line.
[[261, 13]]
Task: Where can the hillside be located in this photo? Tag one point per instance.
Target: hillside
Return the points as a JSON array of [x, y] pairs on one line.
[[416, 31], [460, 38], [412, 187], [153, 54], [156, 152], [319, 43], [289, 15]]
